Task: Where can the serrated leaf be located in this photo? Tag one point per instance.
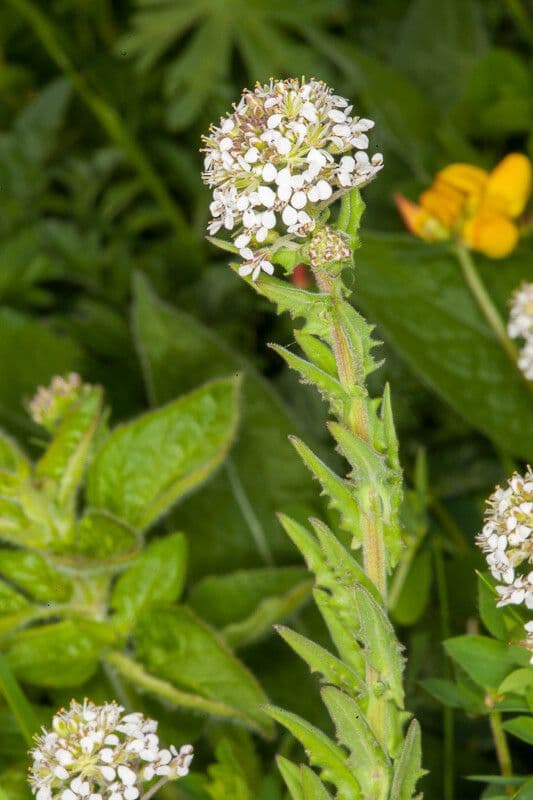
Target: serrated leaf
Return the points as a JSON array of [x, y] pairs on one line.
[[328, 386], [332, 669], [292, 776], [177, 646], [408, 768], [317, 352], [368, 465], [381, 646], [146, 465], [367, 760], [321, 751], [156, 577], [337, 490], [312, 786]]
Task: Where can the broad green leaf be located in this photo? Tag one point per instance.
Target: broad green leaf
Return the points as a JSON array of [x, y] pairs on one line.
[[321, 751], [63, 654], [155, 578], [146, 465], [402, 283], [485, 660], [101, 541], [521, 727], [455, 695], [10, 600], [177, 352], [367, 760], [176, 645], [518, 681], [35, 575], [225, 599]]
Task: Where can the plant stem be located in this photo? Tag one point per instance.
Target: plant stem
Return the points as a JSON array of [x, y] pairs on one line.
[[107, 116], [502, 748], [155, 788], [484, 301], [374, 560]]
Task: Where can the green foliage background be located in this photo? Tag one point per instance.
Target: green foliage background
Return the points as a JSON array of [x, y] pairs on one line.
[[104, 270]]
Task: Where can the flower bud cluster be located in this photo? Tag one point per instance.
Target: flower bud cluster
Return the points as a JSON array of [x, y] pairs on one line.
[[507, 540], [98, 753], [50, 403], [273, 163], [521, 326]]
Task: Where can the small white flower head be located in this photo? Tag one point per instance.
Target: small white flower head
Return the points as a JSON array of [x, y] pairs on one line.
[[521, 317], [50, 403], [507, 540], [100, 753], [525, 359], [328, 247], [287, 150]]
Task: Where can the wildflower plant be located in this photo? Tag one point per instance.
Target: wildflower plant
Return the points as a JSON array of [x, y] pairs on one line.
[[296, 129]]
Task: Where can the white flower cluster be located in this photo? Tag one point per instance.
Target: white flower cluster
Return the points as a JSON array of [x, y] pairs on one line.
[[98, 753], [521, 326], [507, 541], [277, 160]]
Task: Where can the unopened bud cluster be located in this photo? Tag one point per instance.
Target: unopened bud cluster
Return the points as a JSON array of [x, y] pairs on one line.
[[520, 326], [100, 753], [50, 403], [276, 161], [328, 246], [507, 541]]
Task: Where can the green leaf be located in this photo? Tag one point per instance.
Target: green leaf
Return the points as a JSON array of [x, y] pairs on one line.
[[337, 490], [157, 577], [177, 352], [367, 760], [517, 682], [246, 604], [408, 768], [35, 575], [146, 465], [332, 669], [455, 695], [101, 541], [292, 776], [10, 600], [175, 645], [396, 273], [63, 654], [485, 660], [328, 386], [321, 751], [65, 459], [312, 786], [493, 618], [521, 727], [17, 702]]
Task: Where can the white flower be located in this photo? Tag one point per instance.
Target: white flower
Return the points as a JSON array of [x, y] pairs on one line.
[[507, 541], [520, 326], [287, 146], [97, 752]]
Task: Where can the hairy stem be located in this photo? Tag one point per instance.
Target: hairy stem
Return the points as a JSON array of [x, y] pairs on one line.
[[357, 420]]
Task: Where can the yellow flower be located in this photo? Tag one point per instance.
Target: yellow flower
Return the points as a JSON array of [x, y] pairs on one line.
[[475, 207]]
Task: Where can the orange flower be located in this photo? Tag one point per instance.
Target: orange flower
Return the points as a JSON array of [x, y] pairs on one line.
[[475, 207]]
